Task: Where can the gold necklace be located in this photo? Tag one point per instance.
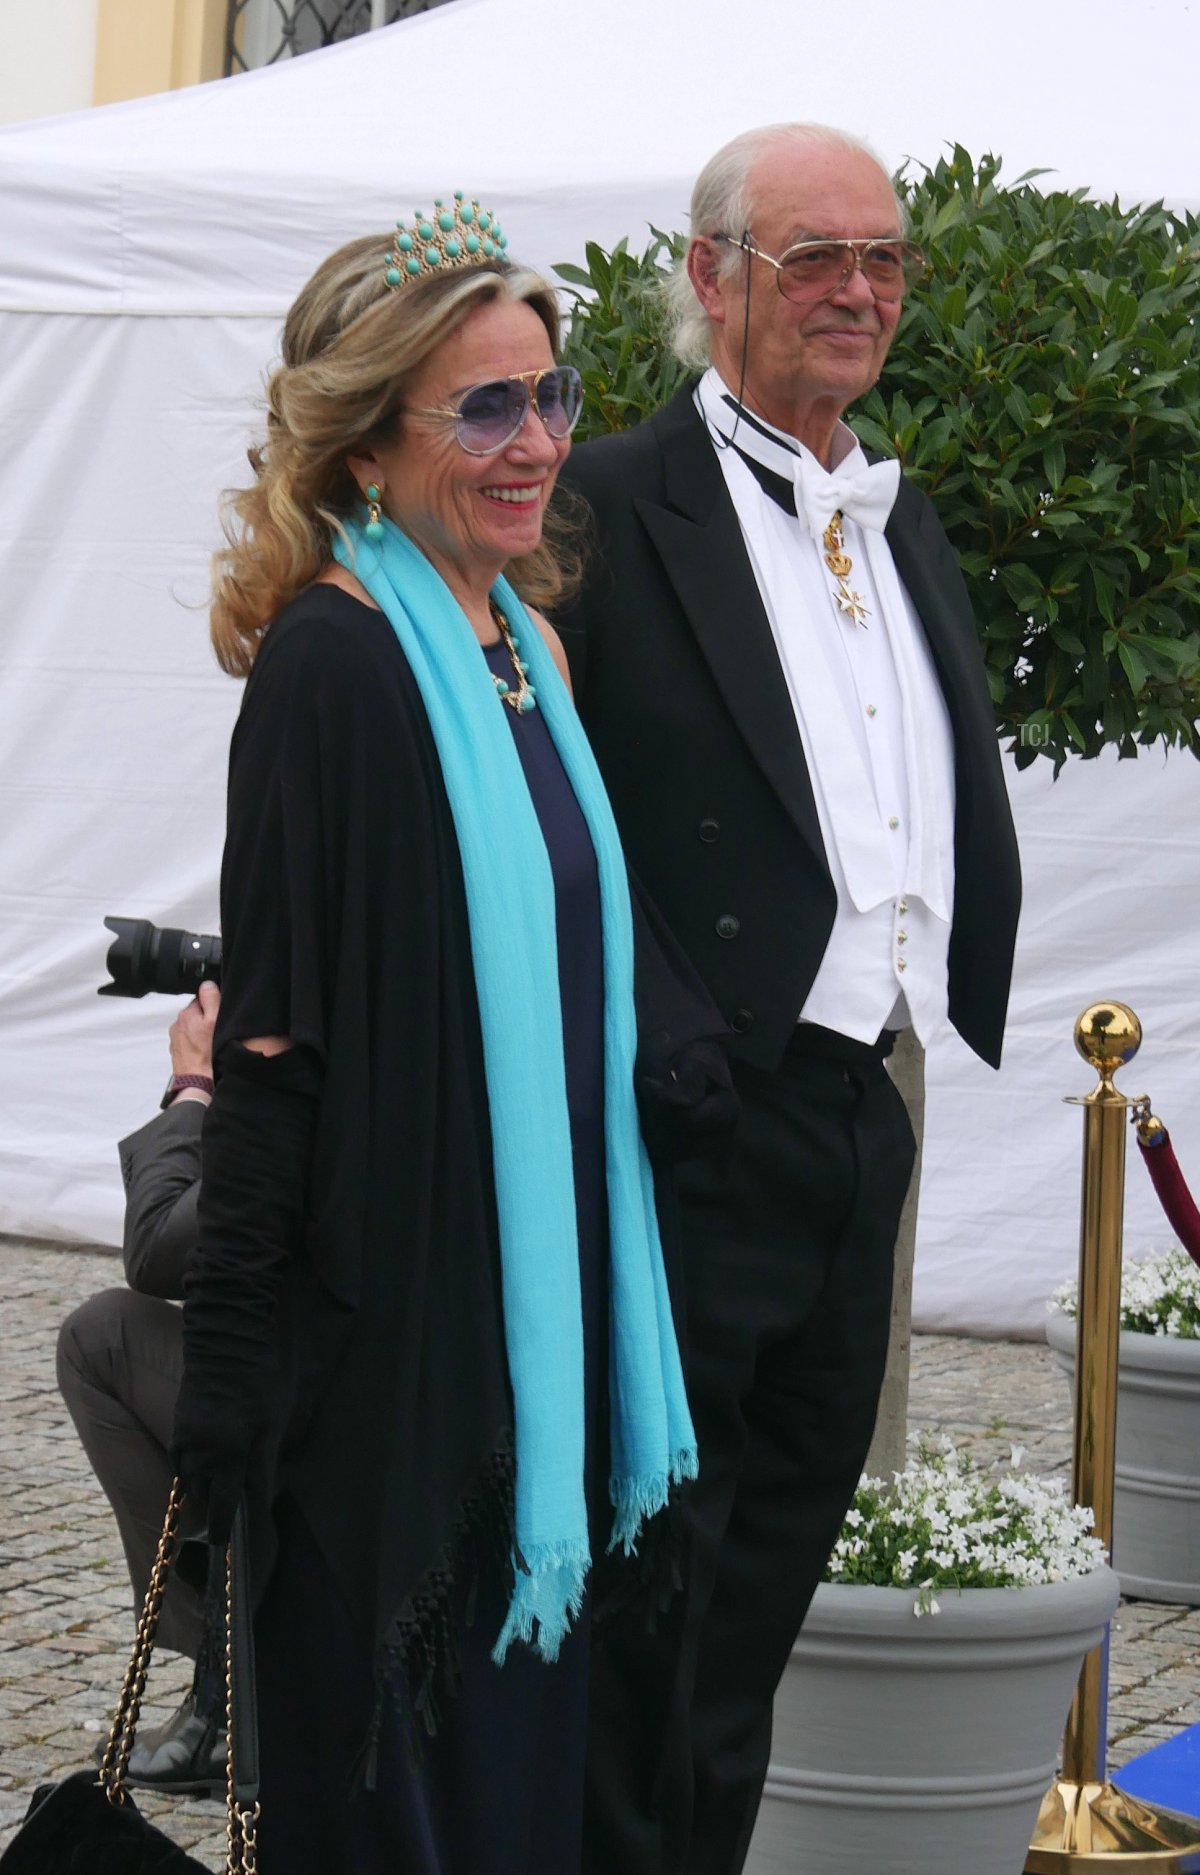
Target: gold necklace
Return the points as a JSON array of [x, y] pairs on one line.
[[841, 566], [524, 697]]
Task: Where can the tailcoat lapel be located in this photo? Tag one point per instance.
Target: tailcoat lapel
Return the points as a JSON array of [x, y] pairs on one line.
[[699, 541]]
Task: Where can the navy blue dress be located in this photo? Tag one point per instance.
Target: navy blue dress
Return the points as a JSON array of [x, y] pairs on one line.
[[581, 988], [499, 1788]]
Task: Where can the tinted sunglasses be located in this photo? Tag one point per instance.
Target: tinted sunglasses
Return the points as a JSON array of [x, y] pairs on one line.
[[488, 416]]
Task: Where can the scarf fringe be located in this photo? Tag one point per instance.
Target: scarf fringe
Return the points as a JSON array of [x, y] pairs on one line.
[[645, 1583], [417, 1663], [636, 1500], [548, 1592]]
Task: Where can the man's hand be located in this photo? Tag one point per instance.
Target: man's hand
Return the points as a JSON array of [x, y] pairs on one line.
[[191, 1032]]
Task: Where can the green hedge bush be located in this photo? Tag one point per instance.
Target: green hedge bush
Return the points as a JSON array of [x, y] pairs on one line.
[[1044, 388]]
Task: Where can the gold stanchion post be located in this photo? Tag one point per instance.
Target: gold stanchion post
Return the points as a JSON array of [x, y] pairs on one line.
[[1085, 1822]]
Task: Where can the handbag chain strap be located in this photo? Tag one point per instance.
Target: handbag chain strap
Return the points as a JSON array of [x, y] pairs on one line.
[[241, 1828], [124, 1726], [241, 1820]]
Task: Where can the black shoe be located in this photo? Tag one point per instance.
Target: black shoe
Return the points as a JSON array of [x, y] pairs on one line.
[[186, 1757]]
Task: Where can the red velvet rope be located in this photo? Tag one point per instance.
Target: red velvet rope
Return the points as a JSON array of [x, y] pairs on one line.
[[1173, 1194]]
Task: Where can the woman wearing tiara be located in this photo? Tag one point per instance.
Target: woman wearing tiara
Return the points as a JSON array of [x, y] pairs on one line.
[[427, 1332]]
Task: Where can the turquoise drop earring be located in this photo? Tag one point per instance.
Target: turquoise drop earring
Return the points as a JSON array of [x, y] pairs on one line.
[[374, 528]]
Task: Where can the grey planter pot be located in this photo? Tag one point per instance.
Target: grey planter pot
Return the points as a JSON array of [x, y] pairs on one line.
[[923, 1747], [1156, 1503]]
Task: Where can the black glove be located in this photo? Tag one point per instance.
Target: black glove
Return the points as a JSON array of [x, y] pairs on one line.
[[687, 1103], [256, 1148], [211, 1448]]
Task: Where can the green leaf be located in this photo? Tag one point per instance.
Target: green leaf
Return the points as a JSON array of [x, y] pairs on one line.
[[953, 308], [948, 216], [1134, 666], [1074, 731], [1067, 640], [1106, 594], [873, 435], [1022, 585], [1182, 654]]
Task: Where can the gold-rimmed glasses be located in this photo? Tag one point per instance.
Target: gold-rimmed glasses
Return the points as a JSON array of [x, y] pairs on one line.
[[812, 270]]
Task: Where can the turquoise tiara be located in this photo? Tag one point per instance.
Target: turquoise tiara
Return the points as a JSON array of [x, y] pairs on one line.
[[462, 236]]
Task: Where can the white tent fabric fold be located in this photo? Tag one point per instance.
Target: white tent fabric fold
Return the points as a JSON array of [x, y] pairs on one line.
[[147, 252]]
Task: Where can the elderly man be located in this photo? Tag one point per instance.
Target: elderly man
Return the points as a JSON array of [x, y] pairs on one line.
[[776, 662]]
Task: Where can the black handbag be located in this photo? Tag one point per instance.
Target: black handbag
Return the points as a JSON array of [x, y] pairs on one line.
[[89, 1824]]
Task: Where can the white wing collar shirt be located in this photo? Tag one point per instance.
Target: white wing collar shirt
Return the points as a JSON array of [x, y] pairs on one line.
[[869, 709]]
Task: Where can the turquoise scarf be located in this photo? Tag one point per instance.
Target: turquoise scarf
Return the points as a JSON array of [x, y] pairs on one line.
[[510, 907]]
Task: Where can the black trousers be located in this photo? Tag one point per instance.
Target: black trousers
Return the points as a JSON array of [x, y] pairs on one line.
[[788, 1247]]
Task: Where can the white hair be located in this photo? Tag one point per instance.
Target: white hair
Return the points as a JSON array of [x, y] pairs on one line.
[[721, 204]]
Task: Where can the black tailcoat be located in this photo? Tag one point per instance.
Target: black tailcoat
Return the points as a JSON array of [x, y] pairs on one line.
[[679, 684], [787, 1237]]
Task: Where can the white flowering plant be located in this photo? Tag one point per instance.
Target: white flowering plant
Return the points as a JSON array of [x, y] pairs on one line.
[[946, 1523], [1160, 1295]]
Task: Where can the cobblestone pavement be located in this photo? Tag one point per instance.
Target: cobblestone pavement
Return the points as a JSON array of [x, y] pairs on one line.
[[66, 1622]]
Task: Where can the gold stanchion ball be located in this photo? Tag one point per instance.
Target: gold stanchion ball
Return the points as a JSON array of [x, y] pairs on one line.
[[1108, 1035]]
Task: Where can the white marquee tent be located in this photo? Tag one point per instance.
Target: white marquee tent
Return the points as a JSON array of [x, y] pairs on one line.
[[147, 252]]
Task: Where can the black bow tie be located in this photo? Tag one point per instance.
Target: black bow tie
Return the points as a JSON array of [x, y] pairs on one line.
[[776, 486]]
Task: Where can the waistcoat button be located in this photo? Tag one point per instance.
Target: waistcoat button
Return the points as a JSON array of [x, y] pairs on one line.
[[708, 831], [742, 1021], [727, 925]]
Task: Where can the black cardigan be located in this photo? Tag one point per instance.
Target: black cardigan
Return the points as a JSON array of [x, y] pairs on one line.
[[344, 1303], [345, 1295]]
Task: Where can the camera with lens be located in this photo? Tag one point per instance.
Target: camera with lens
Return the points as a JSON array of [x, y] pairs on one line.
[[142, 957]]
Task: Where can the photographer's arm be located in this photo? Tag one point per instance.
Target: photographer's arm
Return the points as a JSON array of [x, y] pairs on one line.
[[160, 1163], [161, 1167]]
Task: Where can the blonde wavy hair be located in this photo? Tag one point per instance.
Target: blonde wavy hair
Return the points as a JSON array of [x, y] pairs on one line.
[[350, 344]]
